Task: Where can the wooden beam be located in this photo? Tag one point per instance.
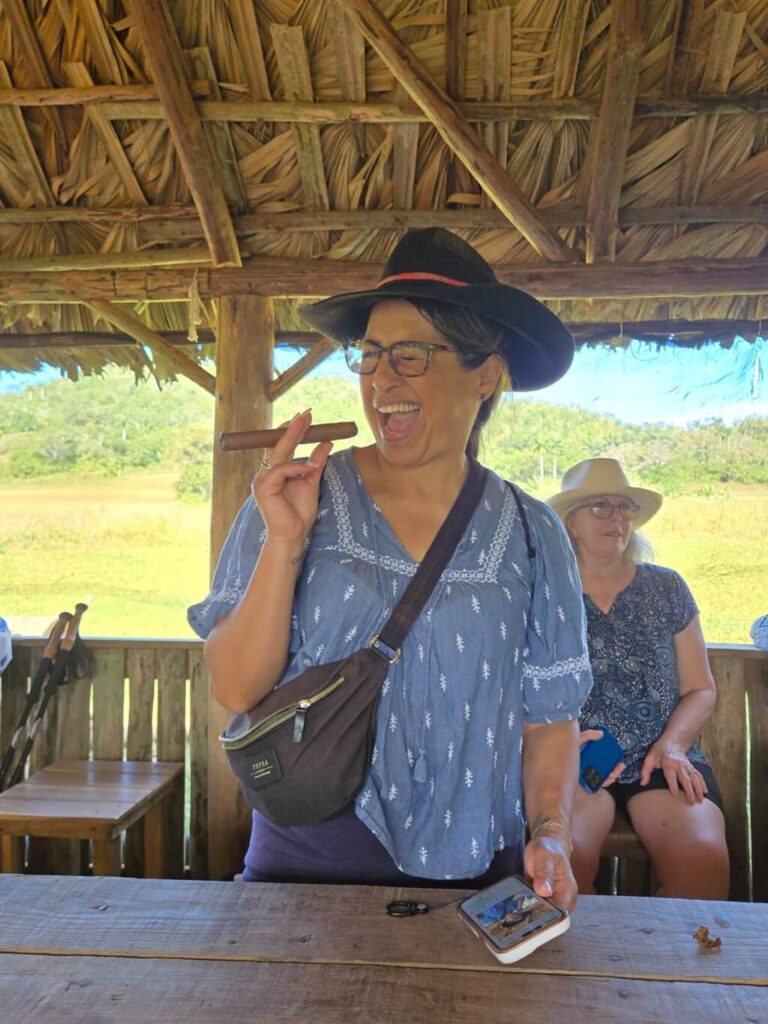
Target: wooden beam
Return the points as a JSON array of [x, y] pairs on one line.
[[93, 95], [139, 103], [173, 223], [136, 328], [243, 374], [57, 264], [455, 47], [166, 60], [625, 49], [267, 276], [686, 332], [456, 132], [319, 351]]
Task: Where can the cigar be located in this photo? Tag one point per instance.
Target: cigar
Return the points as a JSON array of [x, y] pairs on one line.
[[245, 440]]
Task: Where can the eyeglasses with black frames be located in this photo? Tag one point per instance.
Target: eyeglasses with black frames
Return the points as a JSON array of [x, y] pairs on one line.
[[407, 358], [604, 509]]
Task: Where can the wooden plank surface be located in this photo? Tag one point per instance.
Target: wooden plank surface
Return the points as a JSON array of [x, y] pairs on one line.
[[724, 740], [172, 675], [108, 700], [140, 670], [611, 936], [94, 990], [757, 691], [83, 798], [198, 766]]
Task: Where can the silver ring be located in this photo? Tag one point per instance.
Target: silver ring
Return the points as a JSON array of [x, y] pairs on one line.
[[266, 463]]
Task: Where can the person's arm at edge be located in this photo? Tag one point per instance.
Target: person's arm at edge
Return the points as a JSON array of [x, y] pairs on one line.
[[246, 651], [550, 770]]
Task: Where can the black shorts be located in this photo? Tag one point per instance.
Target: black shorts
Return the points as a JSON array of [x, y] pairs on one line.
[[622, 792]]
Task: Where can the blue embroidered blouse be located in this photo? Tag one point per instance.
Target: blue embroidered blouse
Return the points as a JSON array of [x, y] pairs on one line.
[[632, 651], [501, 642]]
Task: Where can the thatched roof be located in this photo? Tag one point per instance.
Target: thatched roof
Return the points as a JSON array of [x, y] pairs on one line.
[[611, 157]]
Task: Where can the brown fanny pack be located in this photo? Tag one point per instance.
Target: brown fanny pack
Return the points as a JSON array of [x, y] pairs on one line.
[[304, 751]]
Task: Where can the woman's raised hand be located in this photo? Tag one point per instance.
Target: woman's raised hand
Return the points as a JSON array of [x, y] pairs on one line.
[[680, 774], [286, 491]]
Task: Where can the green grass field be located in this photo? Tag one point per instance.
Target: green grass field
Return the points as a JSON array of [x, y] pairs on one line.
[[141, 556]]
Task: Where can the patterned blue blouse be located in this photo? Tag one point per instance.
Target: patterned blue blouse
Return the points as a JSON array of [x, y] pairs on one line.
[[632, 652], [501, 642]]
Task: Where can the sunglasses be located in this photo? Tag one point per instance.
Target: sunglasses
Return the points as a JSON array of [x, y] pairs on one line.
[[604, 509]]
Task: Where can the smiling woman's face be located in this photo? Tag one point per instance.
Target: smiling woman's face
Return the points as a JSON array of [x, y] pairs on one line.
[[418, 419]]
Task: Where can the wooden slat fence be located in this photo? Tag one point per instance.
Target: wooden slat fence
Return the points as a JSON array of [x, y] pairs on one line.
[[148, 698]]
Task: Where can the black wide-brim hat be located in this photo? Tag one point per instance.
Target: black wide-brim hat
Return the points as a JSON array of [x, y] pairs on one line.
[[436, 265]]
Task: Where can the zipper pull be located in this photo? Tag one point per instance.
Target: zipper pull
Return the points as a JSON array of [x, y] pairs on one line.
[[300, 721]]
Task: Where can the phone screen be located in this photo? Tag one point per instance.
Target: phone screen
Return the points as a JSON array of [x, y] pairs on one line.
[[509, 912]]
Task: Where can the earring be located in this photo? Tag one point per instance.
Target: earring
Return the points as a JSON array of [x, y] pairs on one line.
[[482, 396]]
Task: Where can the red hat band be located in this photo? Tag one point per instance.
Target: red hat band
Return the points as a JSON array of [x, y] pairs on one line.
[[423, 276]]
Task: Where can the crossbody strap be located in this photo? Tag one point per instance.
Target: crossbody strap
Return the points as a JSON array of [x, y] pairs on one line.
[[437, 557]]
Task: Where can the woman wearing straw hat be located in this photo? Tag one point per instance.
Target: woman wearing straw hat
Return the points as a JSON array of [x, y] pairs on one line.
[[653, 689], [477, 721]]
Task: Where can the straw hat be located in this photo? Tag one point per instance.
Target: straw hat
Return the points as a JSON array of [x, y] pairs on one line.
[[602, 476], [435, 264]]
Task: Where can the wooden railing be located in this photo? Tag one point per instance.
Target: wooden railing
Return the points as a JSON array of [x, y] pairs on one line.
[[147, 698]]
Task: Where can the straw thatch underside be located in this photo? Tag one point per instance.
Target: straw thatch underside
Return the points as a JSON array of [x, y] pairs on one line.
[[593, 182]]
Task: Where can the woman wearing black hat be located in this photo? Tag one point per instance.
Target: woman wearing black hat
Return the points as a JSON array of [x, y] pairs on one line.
[[477, 722]]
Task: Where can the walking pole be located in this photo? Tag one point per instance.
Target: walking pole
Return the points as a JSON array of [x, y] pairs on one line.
[[55, 678], [43, 671]]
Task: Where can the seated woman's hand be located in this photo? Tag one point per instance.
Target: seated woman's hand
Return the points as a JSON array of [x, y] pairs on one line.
[[597, 734], [548, 866], [681, 775]]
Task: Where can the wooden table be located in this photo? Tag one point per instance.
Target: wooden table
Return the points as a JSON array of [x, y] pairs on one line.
[[96, 800], [124, 950]]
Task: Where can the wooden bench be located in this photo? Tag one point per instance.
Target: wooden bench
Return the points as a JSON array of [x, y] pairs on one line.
[[91, 800]]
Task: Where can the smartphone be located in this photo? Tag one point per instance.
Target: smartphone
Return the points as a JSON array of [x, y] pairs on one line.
[[512, 920], [597, 760]]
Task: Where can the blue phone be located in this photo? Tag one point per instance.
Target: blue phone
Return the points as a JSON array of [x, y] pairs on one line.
[[598, 758]]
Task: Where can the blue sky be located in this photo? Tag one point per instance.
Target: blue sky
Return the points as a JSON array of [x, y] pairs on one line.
[[638, 384]]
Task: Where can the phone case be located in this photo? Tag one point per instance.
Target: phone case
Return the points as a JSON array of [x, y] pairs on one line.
[[597, 760], [526, 945]]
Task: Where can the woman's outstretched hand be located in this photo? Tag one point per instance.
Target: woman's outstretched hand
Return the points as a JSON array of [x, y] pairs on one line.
[[681, 775], [548, 866], [597, 734], [286, 491]]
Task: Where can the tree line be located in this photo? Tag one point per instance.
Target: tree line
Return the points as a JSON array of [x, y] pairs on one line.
[[106, 426]]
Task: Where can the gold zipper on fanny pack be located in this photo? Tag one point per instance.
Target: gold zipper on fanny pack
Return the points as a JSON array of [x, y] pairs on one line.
[[297, 709]]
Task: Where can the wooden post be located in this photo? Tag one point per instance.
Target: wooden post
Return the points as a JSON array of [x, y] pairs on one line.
[[246, 338]]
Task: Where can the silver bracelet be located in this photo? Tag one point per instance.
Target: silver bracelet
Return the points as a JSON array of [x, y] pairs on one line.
[[542, 823]]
